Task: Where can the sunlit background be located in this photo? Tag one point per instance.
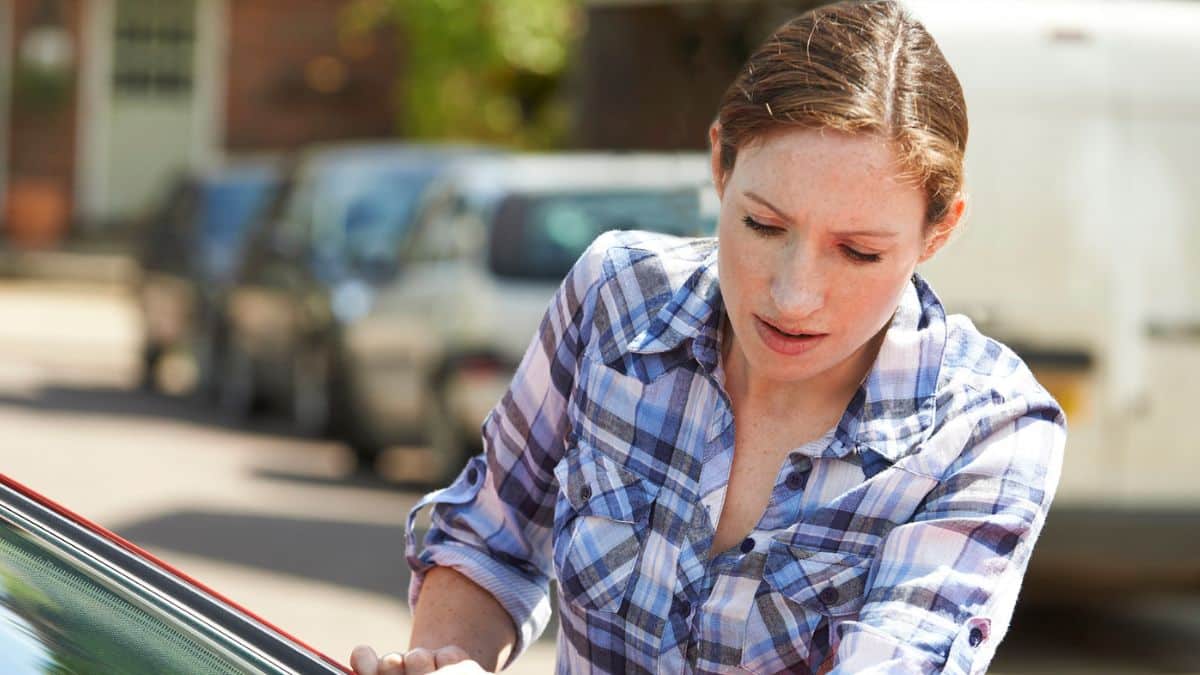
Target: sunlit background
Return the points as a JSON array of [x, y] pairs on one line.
[[266, 264]]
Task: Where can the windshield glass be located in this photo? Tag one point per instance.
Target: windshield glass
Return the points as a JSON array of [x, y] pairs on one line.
[[541, 236], [58, 615], [361, 212], [227, 208]]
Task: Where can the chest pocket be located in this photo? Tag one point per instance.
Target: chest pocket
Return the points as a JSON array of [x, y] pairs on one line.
[[804, 592], [601, 519]]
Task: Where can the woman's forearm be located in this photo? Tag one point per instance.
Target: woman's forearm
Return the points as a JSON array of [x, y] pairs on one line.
[[453, 610]]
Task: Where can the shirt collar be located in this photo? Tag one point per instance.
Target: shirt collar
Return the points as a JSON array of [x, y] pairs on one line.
[[893, 411], [694, 313]]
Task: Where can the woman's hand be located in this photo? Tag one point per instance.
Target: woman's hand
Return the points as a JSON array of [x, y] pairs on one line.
[[445, 660]]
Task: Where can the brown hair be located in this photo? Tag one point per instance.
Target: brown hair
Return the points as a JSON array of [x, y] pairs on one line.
[[856, 67]]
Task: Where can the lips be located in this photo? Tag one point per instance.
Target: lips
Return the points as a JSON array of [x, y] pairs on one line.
[[787, 343]]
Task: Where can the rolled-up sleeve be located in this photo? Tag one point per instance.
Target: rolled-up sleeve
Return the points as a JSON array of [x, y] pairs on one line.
[[493, 524], [942, 590]]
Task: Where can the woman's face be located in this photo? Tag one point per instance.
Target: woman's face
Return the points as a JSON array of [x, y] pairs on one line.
[[818, 237]]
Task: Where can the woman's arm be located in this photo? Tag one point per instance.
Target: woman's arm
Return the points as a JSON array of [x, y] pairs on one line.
[[493, 525], [453, 610]]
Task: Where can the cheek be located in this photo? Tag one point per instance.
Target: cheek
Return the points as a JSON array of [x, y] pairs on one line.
[[868, 301], [742, 269]]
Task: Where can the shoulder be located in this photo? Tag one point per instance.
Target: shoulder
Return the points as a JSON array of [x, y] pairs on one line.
[[974, 362], [985, 386], [630, 276], [628, 253]]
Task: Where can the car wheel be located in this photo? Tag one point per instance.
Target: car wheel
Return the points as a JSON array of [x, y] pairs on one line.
[[449, 446], [236, 390], [151, 358], [348, 422], [311, 401], [206, 350]]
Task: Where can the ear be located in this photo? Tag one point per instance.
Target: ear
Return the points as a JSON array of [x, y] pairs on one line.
[[940, 233], [718, 173]]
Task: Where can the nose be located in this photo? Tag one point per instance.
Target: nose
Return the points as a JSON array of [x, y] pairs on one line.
[[798, 287]]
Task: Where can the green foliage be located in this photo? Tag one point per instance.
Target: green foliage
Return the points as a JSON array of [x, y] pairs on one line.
[[40, 90], [486, 70]]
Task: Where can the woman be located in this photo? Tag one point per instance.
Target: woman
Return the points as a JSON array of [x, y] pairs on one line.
[[772, 452]]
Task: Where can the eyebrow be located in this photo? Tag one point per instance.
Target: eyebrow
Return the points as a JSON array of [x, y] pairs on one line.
[[882, 234]]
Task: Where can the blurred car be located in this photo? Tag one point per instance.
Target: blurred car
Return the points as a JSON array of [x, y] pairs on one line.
[[334, 236], [438, 345], [75, 598], [191, 244]]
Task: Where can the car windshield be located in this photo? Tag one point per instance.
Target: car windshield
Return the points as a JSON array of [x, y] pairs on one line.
[[361, 212], [541, 236], [76, 599], [60, 615], [226, 209]]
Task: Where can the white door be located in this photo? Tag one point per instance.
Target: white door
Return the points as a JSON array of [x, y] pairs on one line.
[[151, 99], [153, 80]]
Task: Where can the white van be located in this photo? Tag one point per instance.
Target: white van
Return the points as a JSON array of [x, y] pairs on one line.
[[1082, 252]]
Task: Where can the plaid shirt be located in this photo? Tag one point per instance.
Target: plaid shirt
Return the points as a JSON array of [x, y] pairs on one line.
[[896, 543]]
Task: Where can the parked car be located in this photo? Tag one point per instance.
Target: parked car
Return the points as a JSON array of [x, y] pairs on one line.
[[438, 344], [335, 235], [191, 244], [75, 598]]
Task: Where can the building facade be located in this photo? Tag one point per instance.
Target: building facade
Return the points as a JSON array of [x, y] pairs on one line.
[[104, 100], [652, 72]]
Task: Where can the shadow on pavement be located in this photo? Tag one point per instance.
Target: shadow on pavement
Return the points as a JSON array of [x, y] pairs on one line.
[[357, 479], [117, 401], [357, 555]]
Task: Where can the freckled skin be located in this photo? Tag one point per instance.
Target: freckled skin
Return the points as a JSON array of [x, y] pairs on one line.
[[800, 278]]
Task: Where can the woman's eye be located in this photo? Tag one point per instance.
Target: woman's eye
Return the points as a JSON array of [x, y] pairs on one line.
[[859, 256], [760, 228]]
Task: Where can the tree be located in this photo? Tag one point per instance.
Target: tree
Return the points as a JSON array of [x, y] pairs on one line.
[[485, 70]]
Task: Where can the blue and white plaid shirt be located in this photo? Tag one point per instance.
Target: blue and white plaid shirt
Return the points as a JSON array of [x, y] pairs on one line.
[[896, 543]]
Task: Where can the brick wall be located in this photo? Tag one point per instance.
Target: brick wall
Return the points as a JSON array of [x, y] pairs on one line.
[[42, 142], [651, 75], [282, 54]]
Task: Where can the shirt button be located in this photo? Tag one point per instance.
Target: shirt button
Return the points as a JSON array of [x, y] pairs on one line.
[[976, 637], [585, 493], [795, 480], [829, 595], [748, 545]]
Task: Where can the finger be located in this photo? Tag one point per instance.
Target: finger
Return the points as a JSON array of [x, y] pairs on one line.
[[448, 656], [417, 662], [393, 663], [467, 667], [363, 661]]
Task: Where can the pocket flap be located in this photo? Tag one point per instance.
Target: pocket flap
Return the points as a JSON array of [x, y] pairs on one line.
[[828, 582], [597, 485]]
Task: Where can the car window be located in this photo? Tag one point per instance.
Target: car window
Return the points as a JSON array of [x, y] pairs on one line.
[[167, 230], [444, 229], [362, 211], [541, 236], [74, 599], [57, 616], [227, 207]]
